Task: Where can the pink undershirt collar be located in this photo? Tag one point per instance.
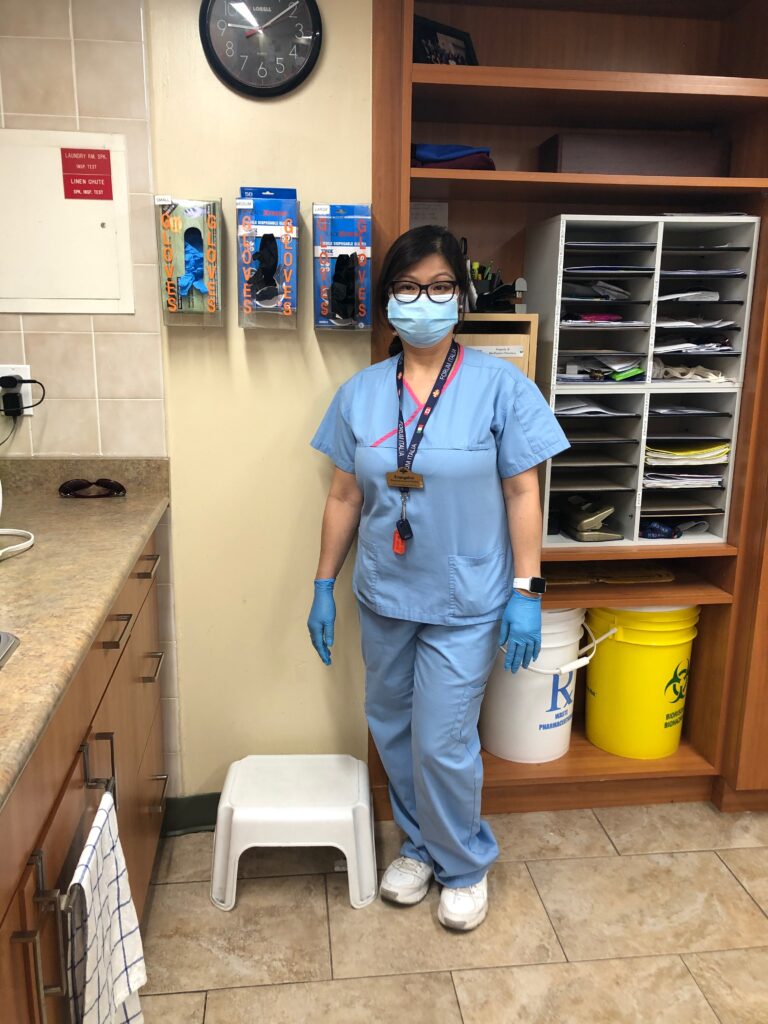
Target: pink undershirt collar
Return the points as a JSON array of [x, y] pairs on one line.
[[420, 405]]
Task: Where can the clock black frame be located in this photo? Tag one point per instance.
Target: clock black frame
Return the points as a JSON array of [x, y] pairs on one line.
[[243, 88]]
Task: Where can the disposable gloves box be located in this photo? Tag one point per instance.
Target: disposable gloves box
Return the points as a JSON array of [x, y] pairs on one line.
[[342, 265], [267, 257], [189, 257]]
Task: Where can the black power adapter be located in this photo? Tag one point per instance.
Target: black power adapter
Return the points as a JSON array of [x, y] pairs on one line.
[[10, 395]]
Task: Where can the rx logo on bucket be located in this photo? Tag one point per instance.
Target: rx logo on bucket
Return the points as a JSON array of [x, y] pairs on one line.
[[678, 683], [565, 690]]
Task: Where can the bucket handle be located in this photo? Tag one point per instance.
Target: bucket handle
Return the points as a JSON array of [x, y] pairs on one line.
[[583, 659]]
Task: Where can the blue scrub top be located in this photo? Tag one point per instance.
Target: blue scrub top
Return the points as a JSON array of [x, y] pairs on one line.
[[490, 422]]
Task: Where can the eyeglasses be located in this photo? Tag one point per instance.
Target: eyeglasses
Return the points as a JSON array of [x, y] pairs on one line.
[[437, 291]]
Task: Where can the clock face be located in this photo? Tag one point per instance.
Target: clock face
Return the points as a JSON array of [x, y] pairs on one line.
[[261, 47]]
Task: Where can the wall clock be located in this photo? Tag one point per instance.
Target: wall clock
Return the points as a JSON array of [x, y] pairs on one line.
[[261, 48]]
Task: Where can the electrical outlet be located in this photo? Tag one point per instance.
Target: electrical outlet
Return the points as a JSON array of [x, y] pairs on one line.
[[26, 389]]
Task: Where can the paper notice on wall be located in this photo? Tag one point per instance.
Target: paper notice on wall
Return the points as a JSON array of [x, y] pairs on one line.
[[423, 214]]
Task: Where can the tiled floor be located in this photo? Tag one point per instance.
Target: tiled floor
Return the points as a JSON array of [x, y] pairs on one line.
[[640, 915]]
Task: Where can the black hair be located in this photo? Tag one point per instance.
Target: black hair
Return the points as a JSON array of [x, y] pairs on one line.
[[412, 247]]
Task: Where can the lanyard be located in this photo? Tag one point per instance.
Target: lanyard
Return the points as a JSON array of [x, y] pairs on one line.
[[405, 458], [403, 531]]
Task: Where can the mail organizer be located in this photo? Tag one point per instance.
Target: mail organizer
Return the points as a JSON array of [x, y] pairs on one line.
[[642, 337], [510, 336], [189, 260]]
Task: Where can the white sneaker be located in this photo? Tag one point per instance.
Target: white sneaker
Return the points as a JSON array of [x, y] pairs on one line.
[[406, 880], [464, 908]]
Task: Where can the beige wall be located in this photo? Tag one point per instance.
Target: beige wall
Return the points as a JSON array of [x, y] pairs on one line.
[[247, 491], [78, 65]]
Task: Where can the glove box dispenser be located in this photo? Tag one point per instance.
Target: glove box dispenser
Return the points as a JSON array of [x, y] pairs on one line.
[[189, 256], [341, 262], [267, 258]]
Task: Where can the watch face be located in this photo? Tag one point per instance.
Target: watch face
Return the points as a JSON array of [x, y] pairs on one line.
[[261, 47]]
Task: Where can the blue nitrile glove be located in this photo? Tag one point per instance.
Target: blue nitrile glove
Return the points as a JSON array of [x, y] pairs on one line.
[[521, 631], [322, 616]]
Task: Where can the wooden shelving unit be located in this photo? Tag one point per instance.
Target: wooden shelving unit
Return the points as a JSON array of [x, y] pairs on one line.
[[674, 65], [688, 588], [541, 186], [587, 763], [581, 98]]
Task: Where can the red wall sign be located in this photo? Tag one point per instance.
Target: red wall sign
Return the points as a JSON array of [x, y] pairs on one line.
[[87, 173]]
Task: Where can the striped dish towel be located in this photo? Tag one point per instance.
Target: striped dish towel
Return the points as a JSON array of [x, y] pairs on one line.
[[106, 958]]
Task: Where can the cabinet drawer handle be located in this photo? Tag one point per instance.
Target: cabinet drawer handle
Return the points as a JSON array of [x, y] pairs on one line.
[[155, 559], [51, 900], [109, 784], [33, 938], [117, 645], [158, 809], [160, 655]]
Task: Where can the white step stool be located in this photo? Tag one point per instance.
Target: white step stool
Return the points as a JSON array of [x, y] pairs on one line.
[[295, 800]]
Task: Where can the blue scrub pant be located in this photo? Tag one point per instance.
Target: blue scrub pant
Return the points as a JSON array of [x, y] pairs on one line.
[[423, 690]]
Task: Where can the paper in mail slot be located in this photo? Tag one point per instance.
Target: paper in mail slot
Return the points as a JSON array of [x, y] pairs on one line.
[[501, 351]]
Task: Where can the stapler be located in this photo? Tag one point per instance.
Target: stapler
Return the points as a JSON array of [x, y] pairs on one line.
[[584, 520]]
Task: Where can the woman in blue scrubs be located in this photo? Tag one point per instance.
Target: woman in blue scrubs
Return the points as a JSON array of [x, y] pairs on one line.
[[435, 452]]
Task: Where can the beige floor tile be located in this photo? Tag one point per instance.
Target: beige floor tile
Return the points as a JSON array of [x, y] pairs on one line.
[[541, 835], [751, 869], [528, 836], [188, 859], [666, 828], [652, 990], [277, 932], [388, 939], [660, 903], [415, 998], [184, 1009], [735, 983]]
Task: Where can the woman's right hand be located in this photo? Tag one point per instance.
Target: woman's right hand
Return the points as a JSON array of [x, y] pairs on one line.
[[322, 616]]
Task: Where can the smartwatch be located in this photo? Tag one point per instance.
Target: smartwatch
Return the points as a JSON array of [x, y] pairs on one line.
[[536, 584]]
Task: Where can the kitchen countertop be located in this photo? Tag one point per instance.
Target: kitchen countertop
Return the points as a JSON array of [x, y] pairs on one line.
[[55, 596]]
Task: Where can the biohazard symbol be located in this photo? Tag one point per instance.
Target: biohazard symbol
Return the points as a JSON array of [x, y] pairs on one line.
[[678, 683]]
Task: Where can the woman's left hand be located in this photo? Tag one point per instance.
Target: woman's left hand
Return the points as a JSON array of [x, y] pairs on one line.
[[521, 631]]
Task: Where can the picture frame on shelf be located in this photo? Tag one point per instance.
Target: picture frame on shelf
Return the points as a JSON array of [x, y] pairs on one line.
[[434, 43]]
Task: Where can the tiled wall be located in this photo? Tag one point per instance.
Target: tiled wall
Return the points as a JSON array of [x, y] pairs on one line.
[[69, 65], [80, 65]]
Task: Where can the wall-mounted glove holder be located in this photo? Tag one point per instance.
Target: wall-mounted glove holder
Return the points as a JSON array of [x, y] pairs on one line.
[[267, 257], [189, 252], [342, 266]]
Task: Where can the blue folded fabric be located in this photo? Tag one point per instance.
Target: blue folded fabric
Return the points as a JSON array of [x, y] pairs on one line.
[[432, 152]]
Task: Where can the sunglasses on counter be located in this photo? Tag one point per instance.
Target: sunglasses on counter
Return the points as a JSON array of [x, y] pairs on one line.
[[81, 489]]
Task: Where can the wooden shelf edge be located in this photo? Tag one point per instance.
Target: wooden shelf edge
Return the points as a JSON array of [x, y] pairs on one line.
[[574, 79], [604, 552], [616, 595], [607, 182], [587, 763]]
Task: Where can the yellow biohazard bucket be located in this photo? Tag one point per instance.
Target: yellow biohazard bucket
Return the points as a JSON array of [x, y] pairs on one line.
[[637, 680]]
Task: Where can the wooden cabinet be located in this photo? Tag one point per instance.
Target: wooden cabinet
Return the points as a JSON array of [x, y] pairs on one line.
[[577, 64], [107, 727]]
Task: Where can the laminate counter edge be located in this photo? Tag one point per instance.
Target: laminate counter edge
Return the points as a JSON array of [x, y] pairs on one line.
[[56, 596]]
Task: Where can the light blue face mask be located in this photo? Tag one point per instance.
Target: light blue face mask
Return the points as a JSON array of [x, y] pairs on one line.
[[423, 323]]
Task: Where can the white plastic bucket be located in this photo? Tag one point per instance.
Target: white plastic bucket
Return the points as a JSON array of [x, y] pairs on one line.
[[526, 716]]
